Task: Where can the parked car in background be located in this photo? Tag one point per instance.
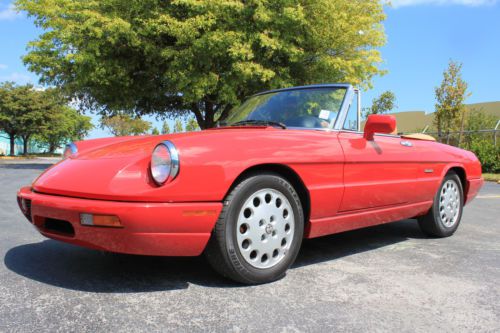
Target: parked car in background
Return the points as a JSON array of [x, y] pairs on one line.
[[289, 164]]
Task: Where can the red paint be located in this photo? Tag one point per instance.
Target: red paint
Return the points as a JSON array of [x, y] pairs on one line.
[[378, 123], [352, 182], [165, 229]]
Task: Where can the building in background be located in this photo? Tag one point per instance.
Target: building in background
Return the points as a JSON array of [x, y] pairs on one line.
[[417, 121]]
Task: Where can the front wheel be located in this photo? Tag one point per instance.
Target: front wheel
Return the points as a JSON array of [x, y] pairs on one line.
[[259, 232], [446, 212]]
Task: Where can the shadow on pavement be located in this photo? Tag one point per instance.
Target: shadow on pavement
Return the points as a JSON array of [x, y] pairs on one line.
[[26, 166], [70, 267], [347, 243]]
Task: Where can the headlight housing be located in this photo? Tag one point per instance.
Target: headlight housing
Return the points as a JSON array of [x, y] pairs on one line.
[[164, 163], [70, 150]]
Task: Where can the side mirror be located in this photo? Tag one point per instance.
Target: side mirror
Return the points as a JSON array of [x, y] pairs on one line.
[[377, 123]]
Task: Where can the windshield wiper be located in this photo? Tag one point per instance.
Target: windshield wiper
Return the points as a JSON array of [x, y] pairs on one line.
[[259, 122]]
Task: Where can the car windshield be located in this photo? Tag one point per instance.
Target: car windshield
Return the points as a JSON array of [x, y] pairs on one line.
[[303, 108]]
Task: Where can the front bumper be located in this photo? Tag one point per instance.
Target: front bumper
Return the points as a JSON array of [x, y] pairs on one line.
[[162, 229]]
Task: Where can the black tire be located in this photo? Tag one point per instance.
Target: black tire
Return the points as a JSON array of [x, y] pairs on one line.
[[432, 223], [223, 252]]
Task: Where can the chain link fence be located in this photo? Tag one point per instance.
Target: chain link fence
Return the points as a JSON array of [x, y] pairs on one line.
[[485, 143]]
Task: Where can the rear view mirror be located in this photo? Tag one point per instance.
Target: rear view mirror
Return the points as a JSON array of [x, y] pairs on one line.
[[377, 123]]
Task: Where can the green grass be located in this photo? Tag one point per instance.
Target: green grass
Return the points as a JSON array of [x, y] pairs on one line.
[[492, 177]]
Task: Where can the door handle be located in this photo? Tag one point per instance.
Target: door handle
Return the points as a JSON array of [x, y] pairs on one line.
[[406, 143]]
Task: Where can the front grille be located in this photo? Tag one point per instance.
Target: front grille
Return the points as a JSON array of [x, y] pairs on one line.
[[59, 227]]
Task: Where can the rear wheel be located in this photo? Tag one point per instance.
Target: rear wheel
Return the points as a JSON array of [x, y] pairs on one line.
[[446, 212], [259, 231]]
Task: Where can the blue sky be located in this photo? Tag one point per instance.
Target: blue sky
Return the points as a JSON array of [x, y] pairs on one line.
[[423, 35]]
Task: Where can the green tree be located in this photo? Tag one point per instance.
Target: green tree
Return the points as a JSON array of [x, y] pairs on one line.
[[450, 97], [482, 144], [155, 131], [192, 125], [178, 126], [24, 111], [201, 57], [123, 125], [63, 125], [384, 103], [165, 129]]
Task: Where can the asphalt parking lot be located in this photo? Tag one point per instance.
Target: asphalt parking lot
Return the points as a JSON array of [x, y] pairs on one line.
[[385, 278]]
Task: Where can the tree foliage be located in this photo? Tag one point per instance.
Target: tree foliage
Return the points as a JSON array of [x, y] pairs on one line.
[[178, 126], [482, 144], [165, 129], [450, 97], [192, 125], [64, 124], [155, 131], [26, 112], [202, 56], [124, 124], [382, 104]]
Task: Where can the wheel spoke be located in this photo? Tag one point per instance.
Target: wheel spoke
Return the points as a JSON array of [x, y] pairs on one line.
[[449, 203], [265, 228]]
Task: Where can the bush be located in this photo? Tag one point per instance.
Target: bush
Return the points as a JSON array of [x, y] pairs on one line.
[[487, 153]]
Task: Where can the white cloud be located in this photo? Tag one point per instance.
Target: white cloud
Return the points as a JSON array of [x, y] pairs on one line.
[[3, 66], [471, 3], [16, 77], [8, 13]]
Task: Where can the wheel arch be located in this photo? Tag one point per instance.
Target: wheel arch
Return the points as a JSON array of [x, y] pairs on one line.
[[461, 173], [287, 173]]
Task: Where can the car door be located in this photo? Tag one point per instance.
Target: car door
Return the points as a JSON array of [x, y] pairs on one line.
[[377, 173]]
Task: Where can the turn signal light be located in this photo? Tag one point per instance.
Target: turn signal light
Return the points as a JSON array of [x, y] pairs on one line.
[[100, 220]]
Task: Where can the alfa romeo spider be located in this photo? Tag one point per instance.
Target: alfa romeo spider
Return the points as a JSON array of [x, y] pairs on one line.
[[288, 164]]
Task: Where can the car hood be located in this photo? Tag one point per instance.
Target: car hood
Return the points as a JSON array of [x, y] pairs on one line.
[[118, 168]]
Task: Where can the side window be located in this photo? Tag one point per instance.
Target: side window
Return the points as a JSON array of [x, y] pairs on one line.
[[351, 121]]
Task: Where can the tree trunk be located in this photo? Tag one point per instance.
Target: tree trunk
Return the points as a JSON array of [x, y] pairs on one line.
[[439, 127], [26, 140], [205, 117], [12, 139], [206, 111], [52, 148], [209, 114], [461, 128], [198, 115]]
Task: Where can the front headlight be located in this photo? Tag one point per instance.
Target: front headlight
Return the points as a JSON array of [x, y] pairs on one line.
[[69, 150], [164, 163]]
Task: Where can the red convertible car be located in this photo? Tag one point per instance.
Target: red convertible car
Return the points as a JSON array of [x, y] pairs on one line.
[[288, 164]]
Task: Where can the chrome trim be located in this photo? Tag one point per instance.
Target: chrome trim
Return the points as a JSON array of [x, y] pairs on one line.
[[429, 170], [339, 121], [359, 108], [406, 143], [174, 158]]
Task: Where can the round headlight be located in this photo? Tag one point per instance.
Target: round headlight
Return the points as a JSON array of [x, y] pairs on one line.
[[164, 163], [70, 149]]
